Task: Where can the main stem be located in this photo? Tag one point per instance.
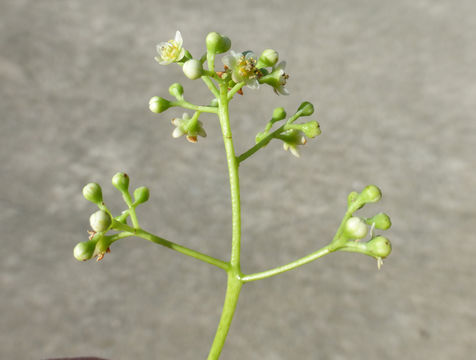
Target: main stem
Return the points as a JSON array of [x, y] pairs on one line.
[[234, 282]]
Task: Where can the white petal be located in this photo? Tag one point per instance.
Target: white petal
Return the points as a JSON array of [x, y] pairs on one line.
[[229, 60], [281, 65], [253, 84], [178, 38], [178, 132], [181, 54], [294, 151], [282, 90], [250, 55]]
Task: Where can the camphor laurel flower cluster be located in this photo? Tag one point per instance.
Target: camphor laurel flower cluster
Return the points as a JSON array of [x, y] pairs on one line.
[[240, 69]]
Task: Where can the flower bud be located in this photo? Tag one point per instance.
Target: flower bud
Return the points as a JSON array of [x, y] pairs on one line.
[[176, 90], [306, 108], [214, 102], [217, 44], [379, 247], [370, 194], [121, 181], [311, 129], [193, 69], [92, 192], [278, 114], [100, 221], [355, 228], [352, 197], [158, 104], [84, 250], [268, 58], [141, 195], [381, 221]]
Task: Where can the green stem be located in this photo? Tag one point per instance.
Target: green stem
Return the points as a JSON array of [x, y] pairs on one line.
[[132, 211], [130, 231], [234, 90], [234, 282], [292, 265], [187, 105], [259, 145], [231, 299], [233, 164]]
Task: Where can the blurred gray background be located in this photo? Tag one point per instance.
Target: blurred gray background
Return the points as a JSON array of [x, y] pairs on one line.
[[394, 85]]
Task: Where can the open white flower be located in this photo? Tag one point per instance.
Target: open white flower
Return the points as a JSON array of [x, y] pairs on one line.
[[277, 79], [191, 127], [170, 51], [243, 68]]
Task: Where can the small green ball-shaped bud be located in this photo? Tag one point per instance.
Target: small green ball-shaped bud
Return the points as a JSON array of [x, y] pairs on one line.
[[141, 195], [355, 228], [311, 129], [121, 181], [381, 221], [217, 43], [214, 102], [352, 197], [268, 58], [279, 114], [176, 90], [100, 221], [370, 194], [306, 108], [379, 247], [193, 69], [158, 104], [92, 192], [84, 250]]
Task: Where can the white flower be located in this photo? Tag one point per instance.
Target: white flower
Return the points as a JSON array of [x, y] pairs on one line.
[[291, 140], [243, 68], [277, 79], [170, 51], [188, 126]]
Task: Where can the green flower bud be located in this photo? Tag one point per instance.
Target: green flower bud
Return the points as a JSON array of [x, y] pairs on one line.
[[214, 102], [100, 221], [379, 247], [278, 114], [352, 197], [193, 69], [381, 221], [176, 90], [141, 195], [268, 58], [158, 104], [102, 246], [311, 129], [121, 181], [92, 192], [355, 228], [84, 250], [306, 108], [217, 44], [370, 194]]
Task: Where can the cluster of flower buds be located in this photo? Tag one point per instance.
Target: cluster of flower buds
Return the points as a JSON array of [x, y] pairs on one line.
[[356, 228], [292, 134], [102, 220]]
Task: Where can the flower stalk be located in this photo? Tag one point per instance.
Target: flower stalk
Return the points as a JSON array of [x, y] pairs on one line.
[[240, 69]]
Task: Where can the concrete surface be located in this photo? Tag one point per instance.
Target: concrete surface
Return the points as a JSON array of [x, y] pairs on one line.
[[394, 83]]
